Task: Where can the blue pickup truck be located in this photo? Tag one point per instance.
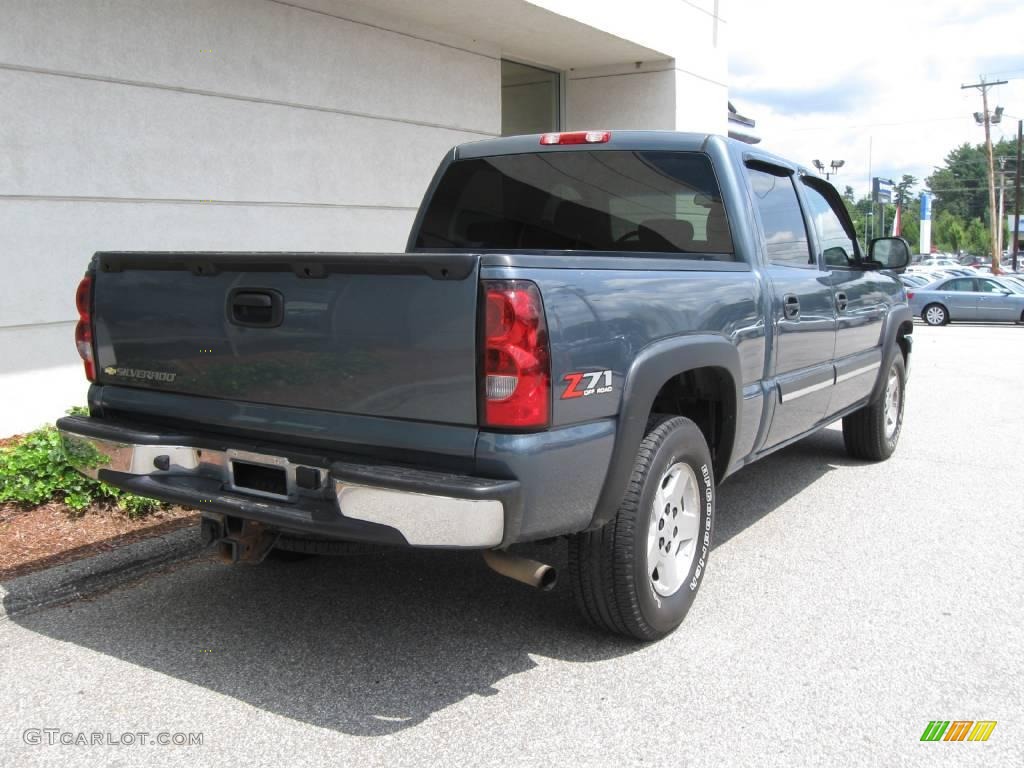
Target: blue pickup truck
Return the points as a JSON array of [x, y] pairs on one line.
[[587, 333]]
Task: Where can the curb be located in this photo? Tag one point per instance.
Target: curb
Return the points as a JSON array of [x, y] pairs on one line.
[[102, 572]]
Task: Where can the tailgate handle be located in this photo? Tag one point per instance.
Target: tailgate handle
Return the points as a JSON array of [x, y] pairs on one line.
[[263, 308]]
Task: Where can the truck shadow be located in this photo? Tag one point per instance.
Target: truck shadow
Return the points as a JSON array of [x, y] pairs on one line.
[[761, 488], [372, 644]]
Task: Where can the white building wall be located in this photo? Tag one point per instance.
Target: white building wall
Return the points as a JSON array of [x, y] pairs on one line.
[[684, 91], [653, 96], [197, 125], [271, 125], [624, 97]]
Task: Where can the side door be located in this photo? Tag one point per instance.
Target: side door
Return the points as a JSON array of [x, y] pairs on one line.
[[862, 297], [960, 297], [803, 312], [994, 304]]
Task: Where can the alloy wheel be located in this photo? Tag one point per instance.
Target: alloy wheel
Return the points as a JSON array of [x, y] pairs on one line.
[[673, 532]]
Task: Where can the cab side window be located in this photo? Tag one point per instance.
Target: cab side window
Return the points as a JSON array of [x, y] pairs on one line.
[[987, 286], [785, 235], [838, 249]]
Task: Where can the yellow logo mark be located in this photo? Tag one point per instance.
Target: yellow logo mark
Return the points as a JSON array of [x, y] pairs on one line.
[[982, 730]]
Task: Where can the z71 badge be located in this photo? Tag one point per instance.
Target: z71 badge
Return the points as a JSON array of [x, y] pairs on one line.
[[587, 384]]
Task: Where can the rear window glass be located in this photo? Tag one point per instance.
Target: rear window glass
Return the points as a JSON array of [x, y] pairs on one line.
[[610, 200]]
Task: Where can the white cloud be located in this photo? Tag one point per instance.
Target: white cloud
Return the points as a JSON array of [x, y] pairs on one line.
[[829, 81]]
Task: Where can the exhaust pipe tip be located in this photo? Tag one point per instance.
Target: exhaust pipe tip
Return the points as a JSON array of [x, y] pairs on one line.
[[530, 572], [548, 579]]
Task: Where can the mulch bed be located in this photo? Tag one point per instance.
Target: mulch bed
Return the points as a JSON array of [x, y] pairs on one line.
[[40, 537]]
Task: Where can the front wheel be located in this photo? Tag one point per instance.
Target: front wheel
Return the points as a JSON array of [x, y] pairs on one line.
[[639, 574], [873, 432]]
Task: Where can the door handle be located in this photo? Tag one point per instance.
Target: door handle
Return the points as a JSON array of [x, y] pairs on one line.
[[791, 306], [841, 302], [255, 308]]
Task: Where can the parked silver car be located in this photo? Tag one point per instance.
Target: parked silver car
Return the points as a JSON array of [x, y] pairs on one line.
[[966, 298]]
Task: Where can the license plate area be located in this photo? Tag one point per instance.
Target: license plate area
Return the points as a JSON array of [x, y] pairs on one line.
[[260, 479]]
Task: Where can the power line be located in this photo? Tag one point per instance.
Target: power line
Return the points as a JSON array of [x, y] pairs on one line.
[[882, 125], [954, 189]]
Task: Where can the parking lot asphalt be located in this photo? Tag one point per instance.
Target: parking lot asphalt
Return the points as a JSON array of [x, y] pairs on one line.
[[846, 605]]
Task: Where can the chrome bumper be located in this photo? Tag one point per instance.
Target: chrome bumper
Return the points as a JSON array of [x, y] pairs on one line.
[[428, 509]]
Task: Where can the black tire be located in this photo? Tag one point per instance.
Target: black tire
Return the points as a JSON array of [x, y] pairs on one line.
[[941, 312], [864, 431], [608, 567]]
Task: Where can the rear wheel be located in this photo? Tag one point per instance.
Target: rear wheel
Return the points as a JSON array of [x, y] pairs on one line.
[[639, 574], [935, 314], [873, 432]]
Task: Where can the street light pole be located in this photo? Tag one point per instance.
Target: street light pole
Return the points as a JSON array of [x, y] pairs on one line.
[[835, 165]]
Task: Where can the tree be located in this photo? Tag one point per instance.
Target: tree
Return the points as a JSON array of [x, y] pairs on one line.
[[848, 194], [977, 238], [905, 190], [910, 219], [961, 184], [948, 232]]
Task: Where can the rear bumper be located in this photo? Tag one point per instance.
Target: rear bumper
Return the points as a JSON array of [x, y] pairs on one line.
[[366, 502]]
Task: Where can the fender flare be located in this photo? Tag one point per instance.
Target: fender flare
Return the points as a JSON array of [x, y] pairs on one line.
[[652, 368], [899, 317]]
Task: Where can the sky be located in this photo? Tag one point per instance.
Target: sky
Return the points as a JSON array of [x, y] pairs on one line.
[[876, 84]]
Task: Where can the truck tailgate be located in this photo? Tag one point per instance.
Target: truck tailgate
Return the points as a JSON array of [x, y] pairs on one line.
[[391, 335]]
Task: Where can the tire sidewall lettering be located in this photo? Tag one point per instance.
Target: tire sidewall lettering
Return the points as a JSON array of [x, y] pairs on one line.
[[661, 611]]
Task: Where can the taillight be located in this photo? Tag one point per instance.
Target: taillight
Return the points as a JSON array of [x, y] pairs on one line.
[[910, 295], [83, 331], [576, 137], [516, 370]]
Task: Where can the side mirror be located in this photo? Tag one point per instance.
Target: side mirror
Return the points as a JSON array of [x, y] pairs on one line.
[[889, 253]]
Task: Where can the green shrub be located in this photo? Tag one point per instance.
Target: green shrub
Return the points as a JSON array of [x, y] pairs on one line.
[[35, 469]]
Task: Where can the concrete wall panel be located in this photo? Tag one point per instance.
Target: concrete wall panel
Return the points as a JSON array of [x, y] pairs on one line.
[[256, 49], [75, 137]]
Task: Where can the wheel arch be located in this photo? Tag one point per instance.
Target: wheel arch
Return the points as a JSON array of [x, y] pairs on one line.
[[898, 339], [693, 376]]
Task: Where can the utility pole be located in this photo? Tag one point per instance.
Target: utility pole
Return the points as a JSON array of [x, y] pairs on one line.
[[1002, 199], [1016, 196], [983, 86]]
